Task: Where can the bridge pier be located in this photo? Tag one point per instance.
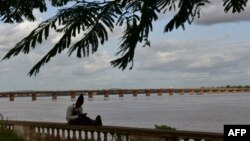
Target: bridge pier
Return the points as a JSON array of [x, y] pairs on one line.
[[121, 93], [170, 92], [106, 93], [134, 93], [72, 95], [242, 90], [218, 91], [235, 90], [33, 96], [147, 92], [225, 91], [201, 91], [191, 92], [181, 92], [90, 94], [160, 92], [54, 96], [12, 97]]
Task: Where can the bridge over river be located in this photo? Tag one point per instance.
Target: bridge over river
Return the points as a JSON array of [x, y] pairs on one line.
[[120, 92]]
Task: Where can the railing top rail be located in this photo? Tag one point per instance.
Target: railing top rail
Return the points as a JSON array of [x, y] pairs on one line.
[[116, 129]]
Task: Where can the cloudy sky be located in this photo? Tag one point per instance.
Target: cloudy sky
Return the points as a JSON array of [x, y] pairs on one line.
[[214, 51]]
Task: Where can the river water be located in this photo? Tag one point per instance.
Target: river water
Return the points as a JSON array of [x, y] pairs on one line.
[[207, 112]]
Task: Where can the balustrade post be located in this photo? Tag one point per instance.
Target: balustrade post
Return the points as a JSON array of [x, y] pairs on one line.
[[68, 135], [53, 136], [12, 97], [86, 137], [99, 136], [63, 135], [33, 97], [127, 137], [47, 133], [105, 136], [38, 134], [43, 136], [92, 135], [80, 135], [74, 135], [58, 138]]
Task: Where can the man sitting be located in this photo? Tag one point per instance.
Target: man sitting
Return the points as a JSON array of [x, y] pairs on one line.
[[75, 115]]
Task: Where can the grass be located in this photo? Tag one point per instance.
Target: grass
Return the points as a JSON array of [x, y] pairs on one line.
[[164, 127], [8, 135]]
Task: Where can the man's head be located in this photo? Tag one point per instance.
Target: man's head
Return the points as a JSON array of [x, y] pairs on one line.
[[79, 101]]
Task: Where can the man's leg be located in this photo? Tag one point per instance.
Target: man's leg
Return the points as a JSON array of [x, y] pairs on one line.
[[98, 120], [87, 121]]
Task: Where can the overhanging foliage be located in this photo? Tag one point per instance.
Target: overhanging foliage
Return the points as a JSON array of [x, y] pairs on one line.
[[93, 20]]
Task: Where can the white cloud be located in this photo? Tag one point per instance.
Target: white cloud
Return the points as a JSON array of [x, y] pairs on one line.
[[214, 14], [94, 64], [12, 33], [197, 57], [188, 61]]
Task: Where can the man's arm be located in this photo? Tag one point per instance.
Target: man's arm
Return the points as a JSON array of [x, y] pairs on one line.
[[68, 114]]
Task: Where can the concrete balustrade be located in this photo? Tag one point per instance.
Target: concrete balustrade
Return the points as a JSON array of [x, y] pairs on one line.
[[45, 131]]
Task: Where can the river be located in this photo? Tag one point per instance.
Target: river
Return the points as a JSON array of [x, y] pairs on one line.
[[207, 112]]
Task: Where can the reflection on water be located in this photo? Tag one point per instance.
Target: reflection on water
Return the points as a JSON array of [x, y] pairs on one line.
[[208, 112]]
